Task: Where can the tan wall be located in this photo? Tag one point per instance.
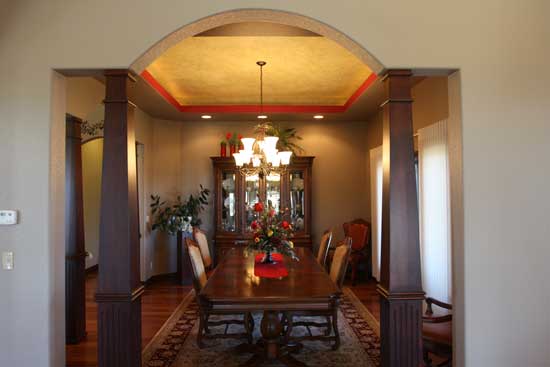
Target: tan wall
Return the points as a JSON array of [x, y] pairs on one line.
[[430, 105], [92, 159], [84, 94], [501, 48], [84, 99], [182, 152]]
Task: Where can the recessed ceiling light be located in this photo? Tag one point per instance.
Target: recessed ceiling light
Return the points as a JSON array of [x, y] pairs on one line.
[[318, 117], [262, 117], [206, 117]]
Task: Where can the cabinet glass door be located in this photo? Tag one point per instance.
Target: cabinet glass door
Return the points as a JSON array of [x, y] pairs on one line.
[[273, 191], [229, 202], [251, 193], [297, 200]]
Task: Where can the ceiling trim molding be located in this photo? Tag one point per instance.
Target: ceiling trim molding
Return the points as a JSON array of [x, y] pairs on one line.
[[256, 15], [150, 79]]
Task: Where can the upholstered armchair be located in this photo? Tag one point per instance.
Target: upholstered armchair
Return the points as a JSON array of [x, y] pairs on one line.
[[359, 231], [437, 334]]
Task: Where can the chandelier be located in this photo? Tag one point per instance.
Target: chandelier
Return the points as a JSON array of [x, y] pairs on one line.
[[260, 155]]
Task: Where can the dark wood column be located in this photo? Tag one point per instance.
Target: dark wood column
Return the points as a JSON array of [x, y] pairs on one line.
[[75, 253], [119, 287], [400, 280]]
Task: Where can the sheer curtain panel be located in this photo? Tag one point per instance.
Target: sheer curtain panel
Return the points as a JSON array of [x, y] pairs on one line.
[[376, 208], [434, 207]]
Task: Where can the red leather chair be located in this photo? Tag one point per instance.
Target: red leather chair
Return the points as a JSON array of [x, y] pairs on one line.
[[359, 231]]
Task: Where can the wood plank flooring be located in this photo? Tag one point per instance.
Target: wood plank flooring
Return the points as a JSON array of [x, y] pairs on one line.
[[160, 299]]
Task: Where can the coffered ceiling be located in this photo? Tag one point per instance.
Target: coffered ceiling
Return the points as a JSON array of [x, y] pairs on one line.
[[216, 71]]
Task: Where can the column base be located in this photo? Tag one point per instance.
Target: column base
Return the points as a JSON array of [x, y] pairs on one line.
[[119, 329], [401, 329]]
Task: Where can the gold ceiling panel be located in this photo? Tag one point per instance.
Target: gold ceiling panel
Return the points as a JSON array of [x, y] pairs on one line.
[[222, 71]]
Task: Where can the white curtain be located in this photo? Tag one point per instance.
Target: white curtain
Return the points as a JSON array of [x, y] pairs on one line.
[[434, 207], [376, 176]]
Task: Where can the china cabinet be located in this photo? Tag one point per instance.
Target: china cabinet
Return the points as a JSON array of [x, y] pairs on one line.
[[235, 196]]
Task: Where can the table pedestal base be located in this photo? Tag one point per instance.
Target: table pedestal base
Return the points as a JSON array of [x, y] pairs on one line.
[[271, 346]]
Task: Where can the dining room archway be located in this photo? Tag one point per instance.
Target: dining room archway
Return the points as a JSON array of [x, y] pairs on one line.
[[398, 121]]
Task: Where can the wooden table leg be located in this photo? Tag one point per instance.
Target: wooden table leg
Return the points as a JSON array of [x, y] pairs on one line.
[[272, 347], [271, 331]]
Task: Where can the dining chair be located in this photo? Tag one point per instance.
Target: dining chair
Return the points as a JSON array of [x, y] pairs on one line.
[[337, 273], [202, 241], [359, 231], [324, 246], [437, 334], [205, 311]]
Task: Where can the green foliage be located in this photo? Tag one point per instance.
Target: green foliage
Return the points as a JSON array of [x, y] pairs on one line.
[[287, 137], [178, 216]]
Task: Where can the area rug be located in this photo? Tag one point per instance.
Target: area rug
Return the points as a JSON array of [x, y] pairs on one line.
[[175, 343]]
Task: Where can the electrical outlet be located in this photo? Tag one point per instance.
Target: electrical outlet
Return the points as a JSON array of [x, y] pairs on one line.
[[7, 260]]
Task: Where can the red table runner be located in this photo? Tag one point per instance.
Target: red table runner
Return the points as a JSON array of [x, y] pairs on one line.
[[276, 270]]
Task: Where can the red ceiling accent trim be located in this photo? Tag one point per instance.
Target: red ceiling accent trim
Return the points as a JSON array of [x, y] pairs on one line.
[[257, 108], [367, 83], [160, 89]]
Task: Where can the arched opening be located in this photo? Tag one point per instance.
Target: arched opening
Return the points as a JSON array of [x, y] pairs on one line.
[[224, 19]]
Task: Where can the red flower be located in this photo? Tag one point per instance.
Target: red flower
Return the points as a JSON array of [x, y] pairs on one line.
[[228, 136], [271, 213], [259, 207], [285, 224], [254, 225], [240, 136]]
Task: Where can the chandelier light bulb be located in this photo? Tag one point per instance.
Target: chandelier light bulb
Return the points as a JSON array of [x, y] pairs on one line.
[[248, 144], [285, 157], [270, 143], [238, 159]]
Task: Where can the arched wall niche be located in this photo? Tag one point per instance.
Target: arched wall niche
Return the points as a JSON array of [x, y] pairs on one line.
[[256, 15]]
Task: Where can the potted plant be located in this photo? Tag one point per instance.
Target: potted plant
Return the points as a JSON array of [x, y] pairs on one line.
[[271, 234], [287, 137], [223, 148], [233, 140], [180, 216]]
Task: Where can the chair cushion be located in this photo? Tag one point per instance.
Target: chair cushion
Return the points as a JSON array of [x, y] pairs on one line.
[[338, 262], [323, 248], [198, 267], [441, 333], [202, 241], [358, 233]]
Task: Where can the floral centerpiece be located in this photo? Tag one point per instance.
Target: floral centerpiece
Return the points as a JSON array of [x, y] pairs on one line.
[[271, 234]]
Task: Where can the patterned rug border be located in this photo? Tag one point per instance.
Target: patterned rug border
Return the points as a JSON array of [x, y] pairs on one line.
[[365, 313], [157, 341], [166, 328]]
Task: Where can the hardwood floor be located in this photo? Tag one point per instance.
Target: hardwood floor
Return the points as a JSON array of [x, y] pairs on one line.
[[160, 299]]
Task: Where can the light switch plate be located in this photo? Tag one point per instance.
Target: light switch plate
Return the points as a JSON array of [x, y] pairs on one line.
[[7, 260], [8, 217]]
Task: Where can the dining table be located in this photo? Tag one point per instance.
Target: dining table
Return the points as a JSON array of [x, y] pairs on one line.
[[234, 286]]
